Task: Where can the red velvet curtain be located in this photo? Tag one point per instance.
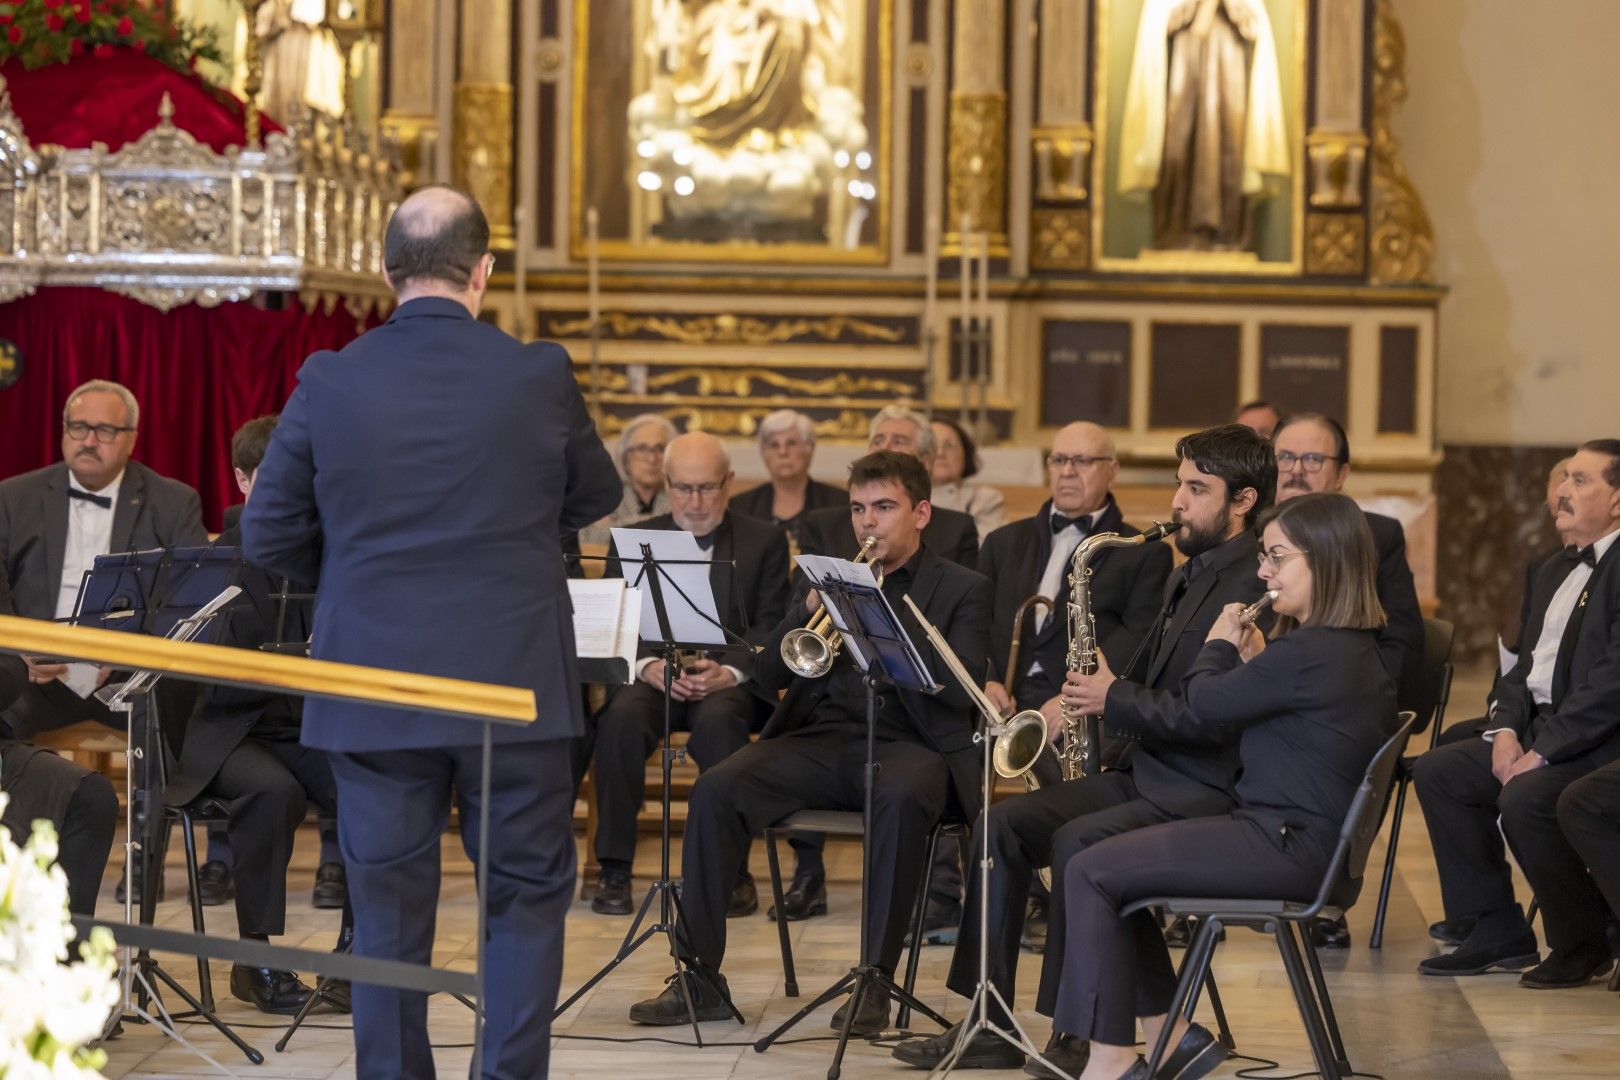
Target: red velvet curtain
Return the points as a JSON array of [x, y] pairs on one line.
[[198, 373]]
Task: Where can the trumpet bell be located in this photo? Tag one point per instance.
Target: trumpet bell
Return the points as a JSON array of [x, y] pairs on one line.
[[1017, 751], [806, 653]]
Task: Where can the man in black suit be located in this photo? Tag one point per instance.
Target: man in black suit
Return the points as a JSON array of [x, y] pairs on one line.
[[1313, 454], [1227, 476], [422, 480], [715, 697], [242, 747], [1555, 719], [1033, 557], [787, 445], [812, 753]]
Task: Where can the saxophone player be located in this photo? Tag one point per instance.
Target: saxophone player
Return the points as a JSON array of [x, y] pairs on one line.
[[1225, 478]]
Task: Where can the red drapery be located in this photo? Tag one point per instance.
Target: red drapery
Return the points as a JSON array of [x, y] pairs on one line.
[[198, 373]]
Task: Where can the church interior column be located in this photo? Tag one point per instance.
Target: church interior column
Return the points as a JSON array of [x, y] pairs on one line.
[[481, 158], [977, 186]]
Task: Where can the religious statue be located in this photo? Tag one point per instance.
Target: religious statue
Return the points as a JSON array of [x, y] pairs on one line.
[[302, 66], [750, 111], [1204, 132]]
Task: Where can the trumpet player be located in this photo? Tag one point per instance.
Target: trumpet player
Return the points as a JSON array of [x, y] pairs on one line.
[[812, 752], [1225, 478]]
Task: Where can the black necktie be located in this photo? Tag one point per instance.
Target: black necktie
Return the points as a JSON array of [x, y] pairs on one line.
[[103, 501], [1587, 554]]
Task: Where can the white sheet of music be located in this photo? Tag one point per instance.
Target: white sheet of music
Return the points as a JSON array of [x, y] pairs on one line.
[[607, 614], [684, 583]]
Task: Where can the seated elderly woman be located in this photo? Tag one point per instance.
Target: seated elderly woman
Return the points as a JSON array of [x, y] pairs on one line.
[[787, 443], [1312, 708], [640, 456], [956, 462]]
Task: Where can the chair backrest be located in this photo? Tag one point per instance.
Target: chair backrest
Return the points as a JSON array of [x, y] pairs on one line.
[[1426, 692], [1361, 822]]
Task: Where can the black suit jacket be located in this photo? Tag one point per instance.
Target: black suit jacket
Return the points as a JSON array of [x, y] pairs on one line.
[[1127, 589], [1308, 714], [1177, 766], [1400, 640], [954, 599], [950, 534], [1585, 715], [153, 511], [756, 502], [225, 715], [751, 597], [13, 672]]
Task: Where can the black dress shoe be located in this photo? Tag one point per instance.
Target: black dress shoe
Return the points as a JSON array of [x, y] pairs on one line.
[[744, 898], [983, 1051], [805, 898], [331, 886], [118, 892], [214, 885], [873, 1019], [1179, 934], [338, 996], [1453, 931], [1068, 1053], [1478, 957], [1197, 1054], [1330, 933], [1034, 936], [612, 893], [668, 1009], [268, 990], [942, 924], [1562, 970]]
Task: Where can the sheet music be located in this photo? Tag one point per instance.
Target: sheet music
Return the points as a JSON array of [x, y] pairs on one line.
[[684, 583], [598, 614], [895, 655]]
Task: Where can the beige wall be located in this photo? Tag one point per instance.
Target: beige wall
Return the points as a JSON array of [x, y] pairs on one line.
[[1510, 136]]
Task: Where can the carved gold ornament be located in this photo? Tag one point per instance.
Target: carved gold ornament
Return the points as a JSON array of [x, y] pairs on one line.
[[1334, 244], [978, 164], [730, 329], [846, 424], [1062, 240], [746, 382], [1337, 161], [1402, 235], [481, 156], [1062, 162]]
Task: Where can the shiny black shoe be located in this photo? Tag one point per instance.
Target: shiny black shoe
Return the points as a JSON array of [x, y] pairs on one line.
[[1330, 933], [805, 898], [1198, 1054], [612, 893], [668, 1009], [338, 996], [1453, 931], [1068, 1053], [214, 885], [269, 990], [331, 886], [1033, 939], [1562, 970], [162, 890], [983, 1051], [1479, 957], [873, 1019], [744, 898]]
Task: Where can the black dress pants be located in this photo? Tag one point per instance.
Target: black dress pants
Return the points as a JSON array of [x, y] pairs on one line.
[[1462, 801], [630, 727], [1124, 970], [1589, 814], [1047, 827], [80, 803], [766, 781], [269, 785]]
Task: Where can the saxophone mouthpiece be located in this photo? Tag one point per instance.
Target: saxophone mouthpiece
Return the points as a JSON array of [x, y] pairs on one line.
[[1252, 612], [1160, 530]]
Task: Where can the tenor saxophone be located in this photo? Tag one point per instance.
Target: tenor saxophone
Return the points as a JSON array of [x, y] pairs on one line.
[[1078, 755]]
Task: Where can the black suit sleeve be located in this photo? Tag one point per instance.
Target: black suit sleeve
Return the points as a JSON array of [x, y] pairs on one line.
[[13, 672], [1587, 717], [593, 489], [1224, 694], [1400, 641], [989, 566]]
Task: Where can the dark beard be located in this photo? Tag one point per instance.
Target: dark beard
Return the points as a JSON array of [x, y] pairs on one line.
[[1192, 541]]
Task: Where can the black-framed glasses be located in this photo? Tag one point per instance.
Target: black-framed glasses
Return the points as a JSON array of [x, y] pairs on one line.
[[1311, 463], [105, 433], [1276, 557], [689, 491], [1059, 462]]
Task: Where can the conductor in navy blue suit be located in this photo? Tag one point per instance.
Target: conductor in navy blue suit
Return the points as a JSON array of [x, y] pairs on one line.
[[422, 479]]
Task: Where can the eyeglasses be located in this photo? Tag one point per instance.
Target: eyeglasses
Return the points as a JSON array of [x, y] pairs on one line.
[[105, 433], [1276, 557], [1312, 463], [690, 491], [643, 450], [1059, 462]]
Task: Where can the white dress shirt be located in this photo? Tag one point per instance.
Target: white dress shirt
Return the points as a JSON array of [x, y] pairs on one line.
[[1057, 566], [89, 534]]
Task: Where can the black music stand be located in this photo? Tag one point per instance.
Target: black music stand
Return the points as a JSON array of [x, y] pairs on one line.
[[880, 646], [670, 914]]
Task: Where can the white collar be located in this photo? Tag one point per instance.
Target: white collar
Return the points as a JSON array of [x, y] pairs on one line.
[[110, 491]]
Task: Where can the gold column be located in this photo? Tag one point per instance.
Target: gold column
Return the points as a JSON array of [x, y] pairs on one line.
[[1402, 245], [411, 118], [481, 154], [977, 165]]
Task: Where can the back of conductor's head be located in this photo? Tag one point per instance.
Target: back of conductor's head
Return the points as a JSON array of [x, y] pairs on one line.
[[437, 244]]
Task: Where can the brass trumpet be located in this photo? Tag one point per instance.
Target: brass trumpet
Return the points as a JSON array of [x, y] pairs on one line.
[[810, 650]]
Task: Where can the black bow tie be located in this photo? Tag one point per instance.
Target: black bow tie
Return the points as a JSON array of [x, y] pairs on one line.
[[1059, 523], [1587, 554], [103, 501], [705, 543]]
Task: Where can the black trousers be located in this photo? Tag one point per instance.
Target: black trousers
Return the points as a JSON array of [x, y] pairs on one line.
[[396, 804], [630, 727], [1589, 814], [1048, 827], [1461, 803], [1124, 970], [269, 785], [766, 781], [81, 804]]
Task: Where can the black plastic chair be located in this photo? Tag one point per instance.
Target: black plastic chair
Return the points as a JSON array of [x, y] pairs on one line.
[[205, 809], [849, 823], [1288, 921], [1432, 691]]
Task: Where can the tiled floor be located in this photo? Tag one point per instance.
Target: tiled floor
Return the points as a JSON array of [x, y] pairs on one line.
[[1396, 1024]]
